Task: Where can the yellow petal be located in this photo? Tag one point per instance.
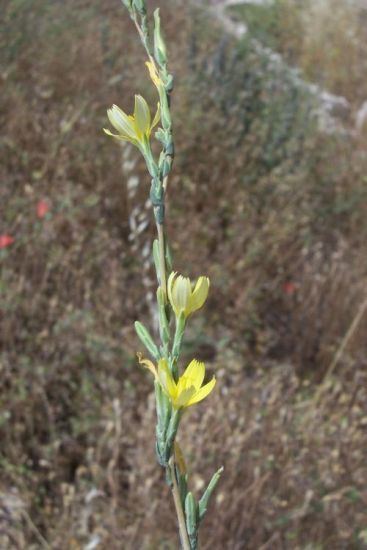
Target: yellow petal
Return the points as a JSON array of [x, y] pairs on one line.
[[121, 122], [170, 284], [199, 295], [202, 393], [141, 116], [157, 117], [181, 293], [195, 372], [166, 379], [120, 137], [184, 398]]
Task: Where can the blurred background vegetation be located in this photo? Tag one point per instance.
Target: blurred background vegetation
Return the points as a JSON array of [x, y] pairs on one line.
[[268, 198]]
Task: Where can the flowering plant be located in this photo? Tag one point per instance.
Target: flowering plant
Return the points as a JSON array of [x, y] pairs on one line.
[[177, 297]]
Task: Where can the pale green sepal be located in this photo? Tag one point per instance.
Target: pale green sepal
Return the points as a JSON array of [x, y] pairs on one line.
[[182, 485], [141, 116], [164, 408], [147, 340], [121, 137], [140, 5], [203, 502], [171, 432], [160, 51], [157, 117], [160, 135], [163, 321], [191, 514]]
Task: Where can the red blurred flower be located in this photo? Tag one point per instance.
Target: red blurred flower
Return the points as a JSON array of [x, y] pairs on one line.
[[289, 288], [6, 240], [42, 208]]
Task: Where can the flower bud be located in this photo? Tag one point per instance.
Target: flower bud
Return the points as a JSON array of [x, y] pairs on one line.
[[160, 51], [183, 298]]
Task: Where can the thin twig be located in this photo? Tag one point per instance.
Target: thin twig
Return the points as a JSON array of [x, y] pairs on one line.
[[43, 542], [357, 319]]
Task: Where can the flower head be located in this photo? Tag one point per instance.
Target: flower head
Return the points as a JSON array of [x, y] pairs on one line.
[[183, 297], [135, 128], [188, 390], [6, 240]]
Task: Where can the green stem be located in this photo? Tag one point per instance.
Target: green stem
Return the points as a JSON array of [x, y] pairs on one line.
[[162, 259], [178, 505]]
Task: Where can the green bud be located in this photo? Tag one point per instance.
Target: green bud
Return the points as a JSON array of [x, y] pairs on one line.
[[169, 83], [128, 4], [191, 513], [163, 407], [160, 50], [160, 135], [165, 116], [140, 6], [146, 340]]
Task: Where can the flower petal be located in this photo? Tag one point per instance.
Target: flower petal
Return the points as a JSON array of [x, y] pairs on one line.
[[166, 379], [195, 372], [121, 121], [181, 293], [200, 294], [157, 117], [184, 398], [142, 116], [120, 137], [202, 393], [170, 285]]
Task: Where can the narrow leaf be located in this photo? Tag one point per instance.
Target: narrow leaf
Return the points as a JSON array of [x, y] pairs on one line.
[[203, 502], [147, 340]]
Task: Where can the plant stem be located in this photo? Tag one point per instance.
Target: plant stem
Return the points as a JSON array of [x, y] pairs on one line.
[[162, 260], [178, 505]]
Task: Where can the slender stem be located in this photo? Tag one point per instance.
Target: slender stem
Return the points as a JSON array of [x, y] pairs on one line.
[[162, 259], [163, 281], [178, 505]]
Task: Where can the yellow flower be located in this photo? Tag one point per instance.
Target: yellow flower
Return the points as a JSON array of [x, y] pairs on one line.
[[188, 390], [134, 128], [154, 75], [183, 298]]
